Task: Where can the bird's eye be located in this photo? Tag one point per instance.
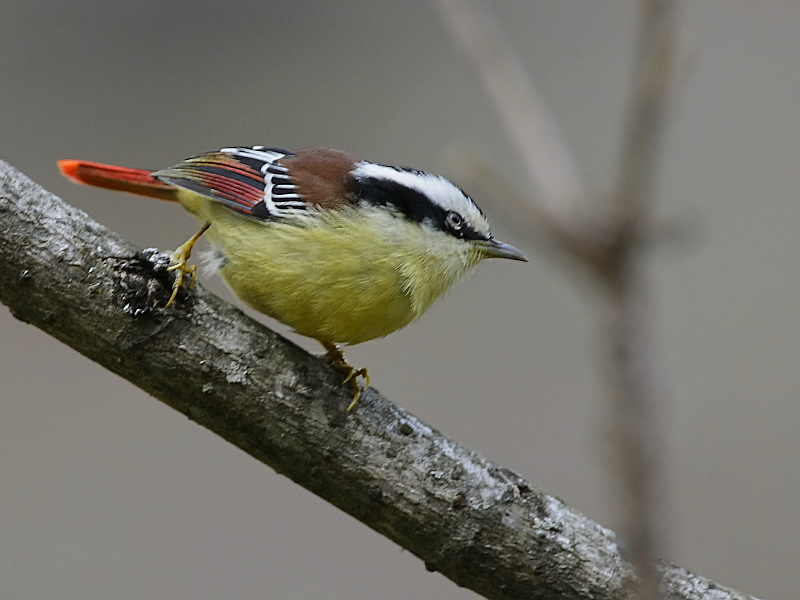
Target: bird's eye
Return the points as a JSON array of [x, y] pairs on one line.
[[454, 221]]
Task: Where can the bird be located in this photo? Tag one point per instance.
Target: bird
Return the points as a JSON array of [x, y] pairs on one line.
[[339, 249]]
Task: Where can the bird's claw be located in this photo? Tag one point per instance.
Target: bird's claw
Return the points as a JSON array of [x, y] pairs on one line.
[[180, 263], [352, 376], [336, 357]]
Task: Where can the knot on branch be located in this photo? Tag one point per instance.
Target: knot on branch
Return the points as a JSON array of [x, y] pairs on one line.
[[143, 283]]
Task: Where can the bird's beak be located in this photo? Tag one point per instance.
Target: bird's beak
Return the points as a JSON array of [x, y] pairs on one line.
[[498, 249]]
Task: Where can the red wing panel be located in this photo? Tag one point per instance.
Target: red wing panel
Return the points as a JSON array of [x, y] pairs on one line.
[[239, 178]]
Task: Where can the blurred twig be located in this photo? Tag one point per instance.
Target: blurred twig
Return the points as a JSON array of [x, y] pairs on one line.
[[528, 123], [652, 84], [632, 375], [605, 236]]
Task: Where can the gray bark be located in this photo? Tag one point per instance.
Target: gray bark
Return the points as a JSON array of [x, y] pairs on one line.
[[479, 524]]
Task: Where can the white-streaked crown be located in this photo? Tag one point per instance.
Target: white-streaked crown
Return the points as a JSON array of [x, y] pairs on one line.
[[440, 190]]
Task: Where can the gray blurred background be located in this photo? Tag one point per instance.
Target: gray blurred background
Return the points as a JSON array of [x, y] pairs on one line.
[[107, 493]]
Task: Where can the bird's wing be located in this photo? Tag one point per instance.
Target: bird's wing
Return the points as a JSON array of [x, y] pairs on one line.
[[249, 180]]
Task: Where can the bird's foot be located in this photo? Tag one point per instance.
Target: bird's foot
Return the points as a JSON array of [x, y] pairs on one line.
[[336, 357], [179, 261]]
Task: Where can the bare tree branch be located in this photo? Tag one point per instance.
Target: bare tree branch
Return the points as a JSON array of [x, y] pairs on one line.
[[479, 524]]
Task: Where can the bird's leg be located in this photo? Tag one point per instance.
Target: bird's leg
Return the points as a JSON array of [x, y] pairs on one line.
[[180, 259], [336, 357]]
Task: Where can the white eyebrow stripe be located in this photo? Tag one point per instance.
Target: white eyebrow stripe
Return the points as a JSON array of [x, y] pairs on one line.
[[437, 189], [424, 183]]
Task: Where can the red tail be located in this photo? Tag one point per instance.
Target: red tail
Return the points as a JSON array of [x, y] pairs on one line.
[[135, 181]]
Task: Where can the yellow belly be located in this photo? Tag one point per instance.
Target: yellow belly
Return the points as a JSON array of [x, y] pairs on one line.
[[327, 289], [340, 276]]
